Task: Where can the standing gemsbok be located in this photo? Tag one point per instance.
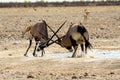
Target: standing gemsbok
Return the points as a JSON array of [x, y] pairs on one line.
[[76, 35], [40, 33]]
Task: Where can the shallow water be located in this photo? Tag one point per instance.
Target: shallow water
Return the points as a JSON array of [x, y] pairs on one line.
[[106, 53], [93, 53]]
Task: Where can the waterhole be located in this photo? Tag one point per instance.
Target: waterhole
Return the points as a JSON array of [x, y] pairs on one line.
[[92, 53]]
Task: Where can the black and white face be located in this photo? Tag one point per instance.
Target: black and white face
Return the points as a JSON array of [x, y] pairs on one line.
[[69, 48], [41, 46]]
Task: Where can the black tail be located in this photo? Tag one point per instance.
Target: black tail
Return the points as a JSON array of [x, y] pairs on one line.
[[82, 30], [88, 44]]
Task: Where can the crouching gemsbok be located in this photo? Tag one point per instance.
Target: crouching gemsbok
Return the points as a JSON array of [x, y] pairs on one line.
[[76, 34], [40, 33]]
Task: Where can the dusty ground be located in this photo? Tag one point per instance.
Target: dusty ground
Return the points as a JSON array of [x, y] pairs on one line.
[[103, 26]]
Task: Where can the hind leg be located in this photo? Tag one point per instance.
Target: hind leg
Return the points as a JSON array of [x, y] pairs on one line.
[[28, 48], [83, 48], [75, 49], [86, 48], [75, 46]]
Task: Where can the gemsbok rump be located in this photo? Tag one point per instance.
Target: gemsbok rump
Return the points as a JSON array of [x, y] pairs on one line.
[[76, 35]]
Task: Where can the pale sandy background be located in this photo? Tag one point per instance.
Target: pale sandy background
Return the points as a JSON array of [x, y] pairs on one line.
[[103, 26]]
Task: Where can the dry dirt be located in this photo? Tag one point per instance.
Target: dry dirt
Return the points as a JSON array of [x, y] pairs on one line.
[[103, 26]]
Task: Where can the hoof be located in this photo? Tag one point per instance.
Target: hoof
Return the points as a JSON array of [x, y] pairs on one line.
[[74, 56], [42, 55], [83, 55], [25, 55], [38, 49], [35, 55]]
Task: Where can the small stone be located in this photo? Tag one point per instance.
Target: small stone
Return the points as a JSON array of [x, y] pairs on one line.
[[80, 77], [10, 54], [5, 48], [74, 77], [30, 76], [51, 73], [93, 75], [112, 73], [86, 74]]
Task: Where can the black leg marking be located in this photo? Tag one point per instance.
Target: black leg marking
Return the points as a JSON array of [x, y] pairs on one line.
[[82, 47], [34, 53], [86, 45], [37, 41]]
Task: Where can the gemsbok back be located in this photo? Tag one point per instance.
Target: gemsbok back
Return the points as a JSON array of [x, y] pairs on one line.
[[40, 33], [76, 35]]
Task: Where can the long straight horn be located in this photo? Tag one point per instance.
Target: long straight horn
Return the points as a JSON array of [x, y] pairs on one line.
[[45, 36], [55, 41], [55, 32]]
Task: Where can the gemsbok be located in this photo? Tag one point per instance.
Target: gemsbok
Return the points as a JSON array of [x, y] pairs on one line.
[[40, 33], [76, 35]]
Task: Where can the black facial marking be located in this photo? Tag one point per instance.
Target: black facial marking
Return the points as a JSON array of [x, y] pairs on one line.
[[42, 45], [36, 39]]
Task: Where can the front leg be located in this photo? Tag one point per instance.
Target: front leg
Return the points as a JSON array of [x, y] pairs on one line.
[[28, 48], [34, 53]]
